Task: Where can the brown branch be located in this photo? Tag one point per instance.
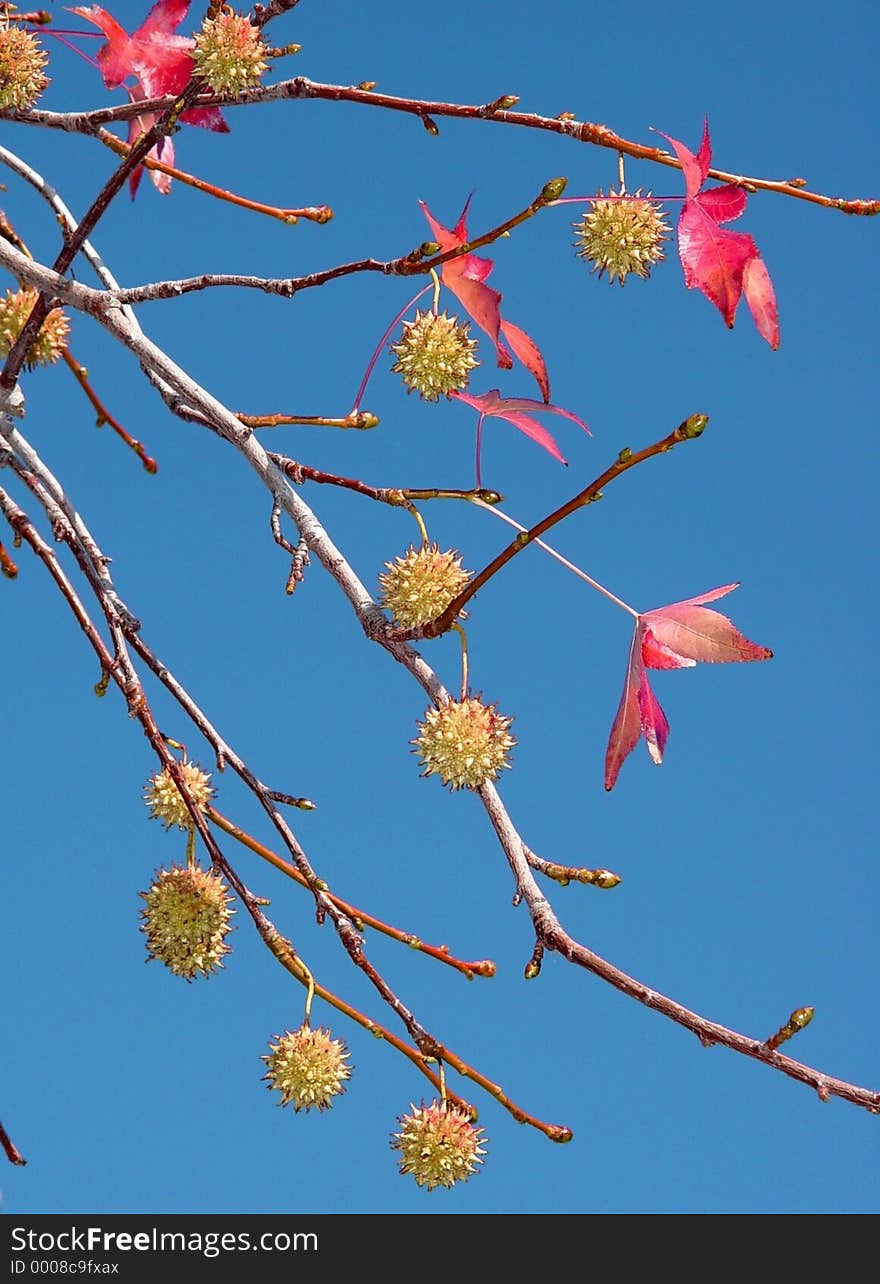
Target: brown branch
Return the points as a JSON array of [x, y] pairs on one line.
[[81, 375], [395, 496], [123, 675], [552, 936], [688, 430], [564, 125], [189, 398], [565, 874], [361, 420], [420, 261], [484, 967], [74, 240], [314, 213]]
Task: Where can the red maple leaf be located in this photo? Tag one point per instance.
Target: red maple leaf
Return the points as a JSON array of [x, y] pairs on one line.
[[515, 410], [723, 264], [669, 637], [466, 278], [159, 62]]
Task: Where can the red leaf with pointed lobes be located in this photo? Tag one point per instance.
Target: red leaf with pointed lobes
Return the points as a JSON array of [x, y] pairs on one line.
[[670, 637], [692, 632], [465, 277], [722, 264], [694, 168], [713, 259], [515, 410], [156, 58]]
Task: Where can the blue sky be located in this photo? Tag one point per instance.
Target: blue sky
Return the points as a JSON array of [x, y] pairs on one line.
[[748, 858]]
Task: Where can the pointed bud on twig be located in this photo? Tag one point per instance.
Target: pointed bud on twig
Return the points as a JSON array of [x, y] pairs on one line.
[[692, 427], [799, 1019], [552, 190], [604, 878], [504, 103]]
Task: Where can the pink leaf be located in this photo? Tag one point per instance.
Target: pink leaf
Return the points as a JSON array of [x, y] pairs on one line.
[[704, 155], [692, 632], [114, 59], [670, 637], [515, 410], [656, 655], [713, 259], [164, 150], [761, 298], [694, 168], [654, 725], [483, 305], [723, 204], [529, 354], [627, 725], [722, 264], [466, 277], [163, 18], [159, 63]]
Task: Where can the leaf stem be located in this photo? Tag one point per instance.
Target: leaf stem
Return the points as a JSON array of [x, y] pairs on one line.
[[576, 570], [686, 431]]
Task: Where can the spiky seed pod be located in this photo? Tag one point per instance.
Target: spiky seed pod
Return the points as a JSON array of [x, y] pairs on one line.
[[623, 235], [165, 800], [185, 920], [434, 354], [22, 60], [308, 1068], [229, 53], [51, 338], [420, 585], [465, 742], [438, 1145]]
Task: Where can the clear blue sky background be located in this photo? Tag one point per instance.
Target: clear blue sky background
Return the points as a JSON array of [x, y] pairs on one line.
[[748, 859]]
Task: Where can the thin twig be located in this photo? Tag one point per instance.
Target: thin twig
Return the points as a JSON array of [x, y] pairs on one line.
[[361, 919], [190, 394], [688, 430], [313, 213], [81, 375], [551, 934], [564, 125]]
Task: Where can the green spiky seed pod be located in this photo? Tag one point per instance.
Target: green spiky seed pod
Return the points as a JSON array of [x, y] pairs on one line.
[[22, 60], [465, 742], [229, 53], [439, 1145], [166, 802], [420, 585], [434, 354], [52, 335], [622, 235], [185, 920], [308, 1068]]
